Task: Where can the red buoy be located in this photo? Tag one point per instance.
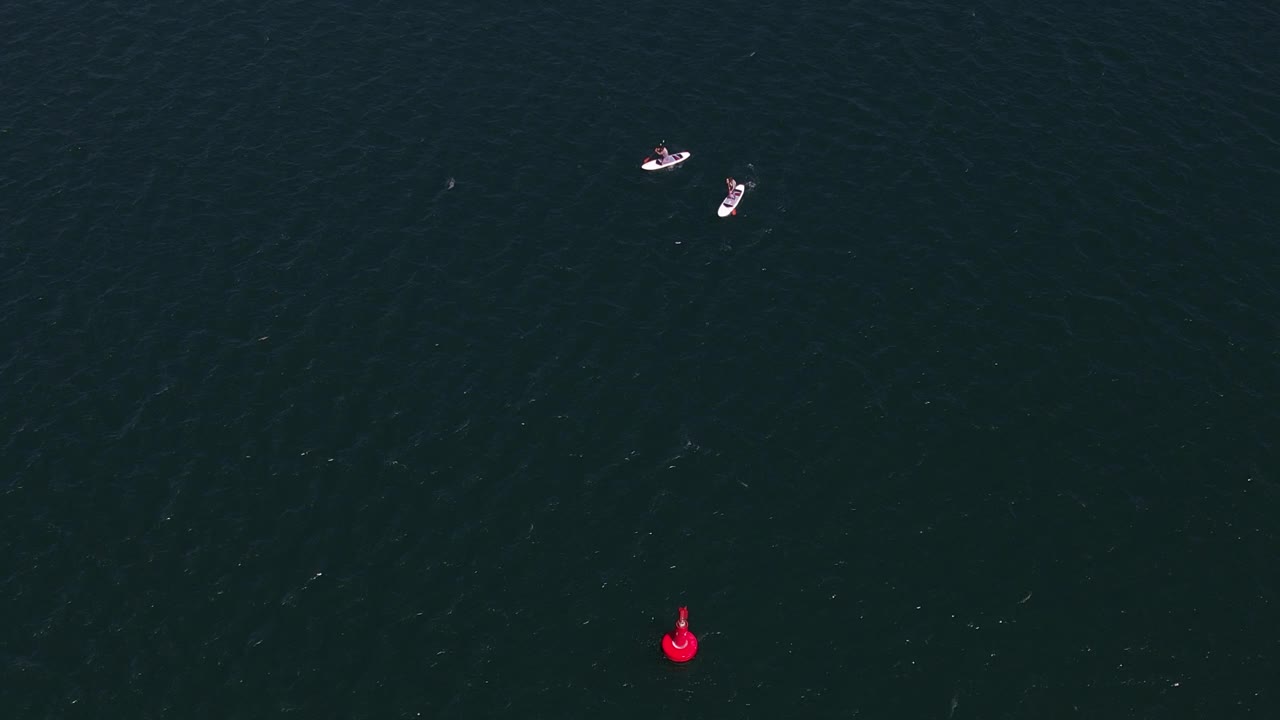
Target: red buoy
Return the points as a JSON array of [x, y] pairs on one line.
[[680, 645]]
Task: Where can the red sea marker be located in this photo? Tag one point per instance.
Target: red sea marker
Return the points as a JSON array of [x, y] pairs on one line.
[[680, 645]]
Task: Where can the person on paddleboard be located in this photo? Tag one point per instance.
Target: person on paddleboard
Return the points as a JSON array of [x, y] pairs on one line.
[[731, 183], [661, 152]]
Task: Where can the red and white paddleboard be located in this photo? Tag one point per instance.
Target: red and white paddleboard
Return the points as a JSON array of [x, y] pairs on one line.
[[730, 204], [662, 164]]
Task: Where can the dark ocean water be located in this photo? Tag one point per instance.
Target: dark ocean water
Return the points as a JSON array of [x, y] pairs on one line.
[[352, 368]]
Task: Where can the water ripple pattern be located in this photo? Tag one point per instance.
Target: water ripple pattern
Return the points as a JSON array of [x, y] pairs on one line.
[[352, 368]]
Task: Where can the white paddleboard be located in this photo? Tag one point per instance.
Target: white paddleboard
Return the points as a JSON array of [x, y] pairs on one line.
[[731, 201], [671, 161]]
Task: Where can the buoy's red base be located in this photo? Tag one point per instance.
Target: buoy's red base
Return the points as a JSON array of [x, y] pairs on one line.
[[680, 653]]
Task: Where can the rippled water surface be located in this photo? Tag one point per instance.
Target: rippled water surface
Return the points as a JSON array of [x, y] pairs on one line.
[[352, 368]]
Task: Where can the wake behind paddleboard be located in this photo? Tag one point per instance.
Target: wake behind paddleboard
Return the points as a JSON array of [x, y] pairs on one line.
[[662, 164], [730, 204]]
